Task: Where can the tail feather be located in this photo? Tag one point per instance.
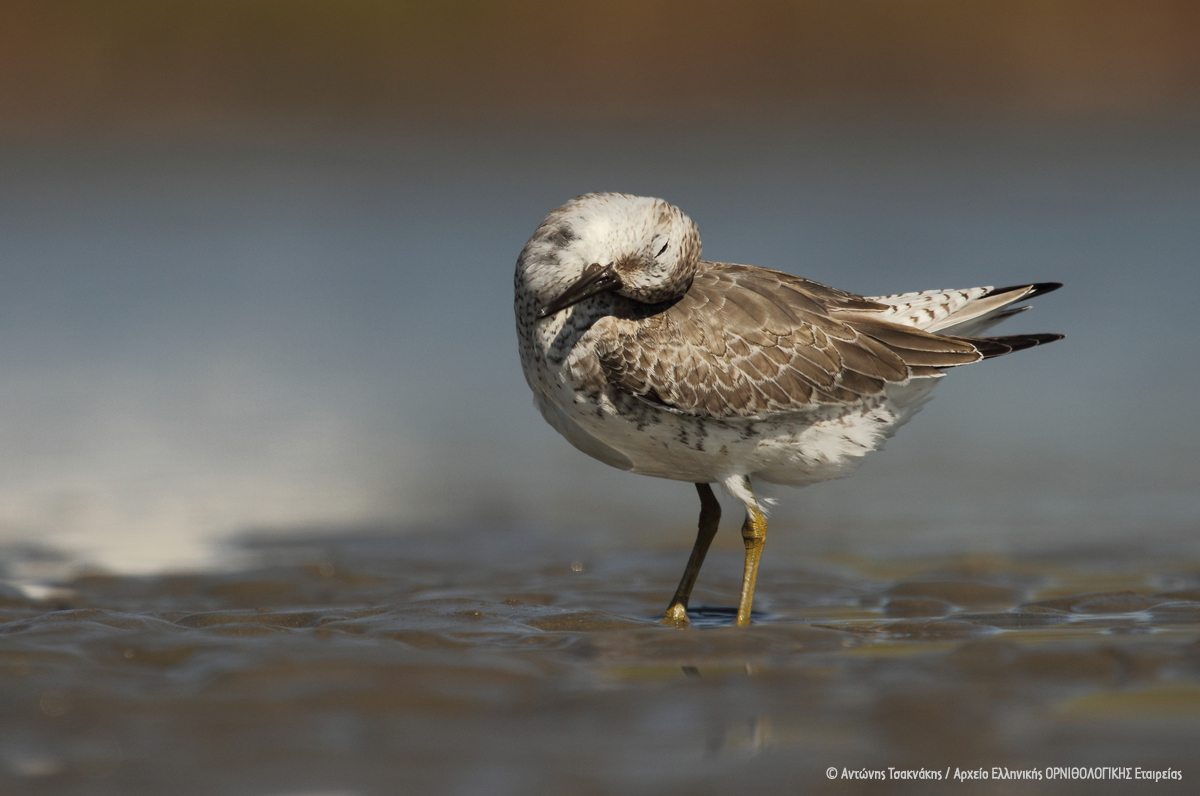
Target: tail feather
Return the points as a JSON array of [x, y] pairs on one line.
[[1032, 291], [999, 346], [962, 313]]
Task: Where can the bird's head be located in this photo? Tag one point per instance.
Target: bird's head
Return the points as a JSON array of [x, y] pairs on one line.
[[635, 246]]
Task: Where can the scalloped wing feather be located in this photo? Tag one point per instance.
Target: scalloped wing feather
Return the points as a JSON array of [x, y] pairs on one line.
[[747, 342]]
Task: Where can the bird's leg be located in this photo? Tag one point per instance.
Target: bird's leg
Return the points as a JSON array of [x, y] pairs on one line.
[[754, 535], [710, 516]]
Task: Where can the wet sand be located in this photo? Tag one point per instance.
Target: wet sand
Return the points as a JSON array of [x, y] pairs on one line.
[[489, 663]]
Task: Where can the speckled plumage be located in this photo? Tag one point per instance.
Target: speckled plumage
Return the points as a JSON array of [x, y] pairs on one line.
[[654, 361]]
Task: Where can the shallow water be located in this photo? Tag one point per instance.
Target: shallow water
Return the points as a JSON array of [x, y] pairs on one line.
[[506, 663], [204, 339]]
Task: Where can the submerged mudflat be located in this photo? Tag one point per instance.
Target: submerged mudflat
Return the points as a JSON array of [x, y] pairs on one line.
[[469, 664]]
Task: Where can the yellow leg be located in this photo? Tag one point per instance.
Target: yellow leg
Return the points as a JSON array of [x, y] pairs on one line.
[[710, 516], [754, 535]]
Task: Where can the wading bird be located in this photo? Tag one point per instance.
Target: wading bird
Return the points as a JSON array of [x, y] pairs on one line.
[[652, 360]]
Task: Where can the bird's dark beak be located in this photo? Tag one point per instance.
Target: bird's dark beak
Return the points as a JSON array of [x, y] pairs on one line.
[[596, 279]]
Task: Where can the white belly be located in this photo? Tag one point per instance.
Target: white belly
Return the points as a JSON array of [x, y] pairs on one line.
[[627, 433]]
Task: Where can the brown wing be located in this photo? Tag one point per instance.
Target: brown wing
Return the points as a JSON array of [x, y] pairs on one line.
[[748, 342]]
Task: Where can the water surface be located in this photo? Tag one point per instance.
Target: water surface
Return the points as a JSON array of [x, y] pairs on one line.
[[470, 663], [222, 362]]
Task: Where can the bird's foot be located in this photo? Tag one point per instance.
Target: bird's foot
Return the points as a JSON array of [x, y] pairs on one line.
[[676, 616]]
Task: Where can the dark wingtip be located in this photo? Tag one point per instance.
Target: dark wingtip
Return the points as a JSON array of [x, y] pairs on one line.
[[999, 346], [1035, 289]]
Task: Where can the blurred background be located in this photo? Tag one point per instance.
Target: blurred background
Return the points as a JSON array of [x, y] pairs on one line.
[[256, 257]]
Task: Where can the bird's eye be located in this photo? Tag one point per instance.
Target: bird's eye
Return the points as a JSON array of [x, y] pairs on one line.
[[663, 249]]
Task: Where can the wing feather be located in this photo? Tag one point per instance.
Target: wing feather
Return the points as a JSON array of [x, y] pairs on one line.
[[747, 342]]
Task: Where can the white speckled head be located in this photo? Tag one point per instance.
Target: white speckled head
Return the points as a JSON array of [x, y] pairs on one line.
[[639, 247]]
